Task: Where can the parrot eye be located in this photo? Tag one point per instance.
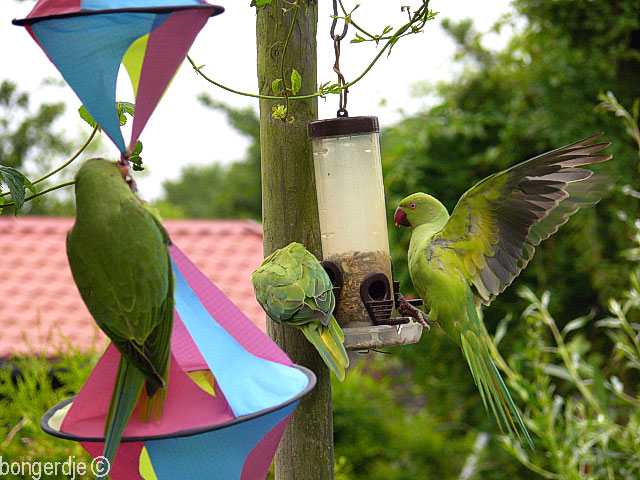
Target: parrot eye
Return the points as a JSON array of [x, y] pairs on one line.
[[412, 206]]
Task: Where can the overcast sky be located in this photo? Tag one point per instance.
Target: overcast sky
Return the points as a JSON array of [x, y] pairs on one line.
[[181, 131]]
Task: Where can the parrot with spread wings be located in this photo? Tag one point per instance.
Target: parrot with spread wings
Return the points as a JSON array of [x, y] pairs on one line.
[[460, 260], [119, 258], [293, 288]]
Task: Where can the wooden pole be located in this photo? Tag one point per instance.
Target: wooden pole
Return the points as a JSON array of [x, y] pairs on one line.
[[290, 213]]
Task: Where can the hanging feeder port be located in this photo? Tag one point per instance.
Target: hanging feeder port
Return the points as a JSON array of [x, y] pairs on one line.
[[375, 293]]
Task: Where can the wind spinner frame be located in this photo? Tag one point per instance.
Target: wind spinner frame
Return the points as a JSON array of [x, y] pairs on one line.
[[256, 390], [87, 40]]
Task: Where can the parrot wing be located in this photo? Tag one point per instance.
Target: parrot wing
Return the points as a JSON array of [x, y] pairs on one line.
[[137, 312], [293, 288], [497, 224]]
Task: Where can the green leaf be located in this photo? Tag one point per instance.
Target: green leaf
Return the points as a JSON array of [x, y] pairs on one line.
[[137, 163], [276, 87], [575, 324], [137, 149], [557, 371], [260, 3], [17, 183], [86, 116], [123, 109], [126, 107], [279, 112], [501, 330], [135, 157], [296, 81]]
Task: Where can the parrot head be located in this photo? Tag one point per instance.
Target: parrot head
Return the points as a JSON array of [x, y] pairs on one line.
[[99, 167], [418, 209]]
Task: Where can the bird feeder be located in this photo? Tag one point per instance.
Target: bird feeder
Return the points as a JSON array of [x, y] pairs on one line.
[[353, 227]]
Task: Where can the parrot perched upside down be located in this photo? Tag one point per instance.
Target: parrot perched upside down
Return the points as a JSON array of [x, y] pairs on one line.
[[293, 288], [457, 261], [120, 262]]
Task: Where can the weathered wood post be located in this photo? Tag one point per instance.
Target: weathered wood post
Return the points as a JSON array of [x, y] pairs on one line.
[[289, 213]]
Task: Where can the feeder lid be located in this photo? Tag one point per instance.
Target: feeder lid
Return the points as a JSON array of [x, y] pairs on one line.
[[336, 127]]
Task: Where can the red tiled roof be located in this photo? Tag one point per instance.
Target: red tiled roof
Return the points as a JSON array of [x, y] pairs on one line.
[[40, 306]]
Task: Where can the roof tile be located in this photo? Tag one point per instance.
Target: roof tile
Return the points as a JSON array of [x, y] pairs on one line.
[[41, 310]]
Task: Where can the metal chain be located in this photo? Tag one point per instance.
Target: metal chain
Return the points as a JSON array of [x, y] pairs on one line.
[[342, 110], [335, 21]]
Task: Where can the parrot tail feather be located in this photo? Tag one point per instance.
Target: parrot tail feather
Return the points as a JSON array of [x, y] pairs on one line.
[[151, 404], [126, 391], [493, 391], [328, 342]]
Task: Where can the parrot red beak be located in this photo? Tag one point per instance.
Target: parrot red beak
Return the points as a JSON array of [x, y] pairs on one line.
[[400, 218]]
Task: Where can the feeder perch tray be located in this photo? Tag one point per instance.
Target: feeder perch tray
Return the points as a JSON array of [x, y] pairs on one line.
[[377, 336]]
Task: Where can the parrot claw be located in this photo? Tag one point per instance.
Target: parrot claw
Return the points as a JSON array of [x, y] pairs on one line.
[[407, 310]]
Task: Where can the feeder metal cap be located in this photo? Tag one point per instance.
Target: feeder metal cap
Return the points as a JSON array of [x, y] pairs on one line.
[[336, 127]]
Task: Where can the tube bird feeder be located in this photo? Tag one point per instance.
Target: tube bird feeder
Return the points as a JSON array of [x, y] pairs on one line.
[[353, 227]]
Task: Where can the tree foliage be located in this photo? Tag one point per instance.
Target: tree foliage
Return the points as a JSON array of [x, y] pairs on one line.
[[216, 190], [537, 94], [29, 146], [26, 136]]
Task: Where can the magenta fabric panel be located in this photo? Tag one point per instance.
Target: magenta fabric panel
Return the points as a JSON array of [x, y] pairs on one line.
[[55, 7], [87, 415], [127, 462], [227, 314], [184, 348], [167, 47], [256, 466]]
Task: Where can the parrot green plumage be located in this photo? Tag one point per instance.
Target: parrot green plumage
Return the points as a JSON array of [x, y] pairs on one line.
[[293, 288], [119, 258], [458, 261]]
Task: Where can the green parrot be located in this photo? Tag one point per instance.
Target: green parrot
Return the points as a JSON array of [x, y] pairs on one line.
[[119, 258], [293, 288], [460, 260]]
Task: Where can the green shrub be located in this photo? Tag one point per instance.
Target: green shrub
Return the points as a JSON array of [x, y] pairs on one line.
[[25, 397]]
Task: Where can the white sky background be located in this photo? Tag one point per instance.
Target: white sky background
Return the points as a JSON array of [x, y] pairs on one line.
[[181, 131]]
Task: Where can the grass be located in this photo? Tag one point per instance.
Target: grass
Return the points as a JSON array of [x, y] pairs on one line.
[[29, 386]]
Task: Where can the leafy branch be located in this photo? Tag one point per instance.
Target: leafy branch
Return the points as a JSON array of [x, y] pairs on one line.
[[609, 103], [17, 183], [414, 25], [296, 79]]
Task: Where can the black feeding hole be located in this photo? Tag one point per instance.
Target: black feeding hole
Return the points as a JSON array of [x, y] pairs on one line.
[[332, 275], [377, 290], [334, 272]]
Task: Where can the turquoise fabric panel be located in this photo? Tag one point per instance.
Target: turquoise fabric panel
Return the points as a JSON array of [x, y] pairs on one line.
[[249, 383], [216, 455], [87, 51]]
